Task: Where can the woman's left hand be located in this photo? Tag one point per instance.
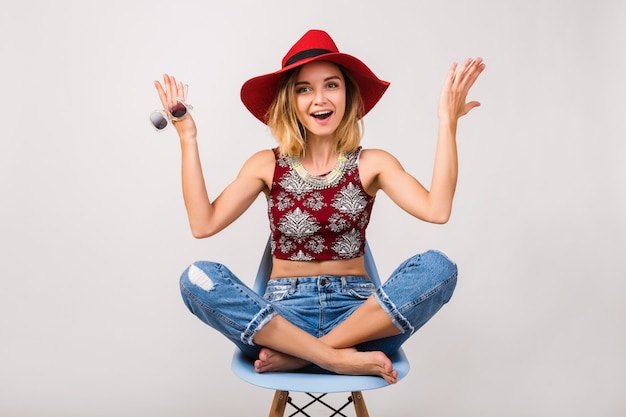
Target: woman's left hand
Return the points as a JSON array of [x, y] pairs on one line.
[[452, 101], [171, 94]]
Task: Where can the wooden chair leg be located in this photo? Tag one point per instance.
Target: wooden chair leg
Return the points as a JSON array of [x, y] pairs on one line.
[[359, 404], [279, 403]]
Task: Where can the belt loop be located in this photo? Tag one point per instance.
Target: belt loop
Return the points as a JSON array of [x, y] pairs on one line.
[[344, 284], [294, 285]]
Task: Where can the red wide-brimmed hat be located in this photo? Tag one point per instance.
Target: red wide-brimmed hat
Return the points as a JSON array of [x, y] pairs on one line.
[[258, 93]]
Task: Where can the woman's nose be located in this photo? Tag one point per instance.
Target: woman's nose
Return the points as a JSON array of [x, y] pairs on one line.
[[320, 96]]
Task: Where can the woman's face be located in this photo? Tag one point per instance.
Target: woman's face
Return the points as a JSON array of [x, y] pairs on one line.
[[320, 98]]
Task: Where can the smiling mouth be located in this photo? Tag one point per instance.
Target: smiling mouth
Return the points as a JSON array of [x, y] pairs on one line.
[[322, 115]]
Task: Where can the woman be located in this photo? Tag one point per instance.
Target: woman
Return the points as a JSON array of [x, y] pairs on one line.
[[320, 307]]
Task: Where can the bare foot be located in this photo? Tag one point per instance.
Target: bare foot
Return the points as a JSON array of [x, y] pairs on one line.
[[348, 362], [273, 361], [352, 362]]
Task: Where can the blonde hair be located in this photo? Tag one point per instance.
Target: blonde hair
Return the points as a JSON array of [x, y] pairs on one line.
[[283, 122]]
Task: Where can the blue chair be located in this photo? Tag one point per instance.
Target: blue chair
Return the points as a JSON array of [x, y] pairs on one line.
[[307, 382]]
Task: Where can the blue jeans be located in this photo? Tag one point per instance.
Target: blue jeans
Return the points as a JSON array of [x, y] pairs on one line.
[[414, 292]]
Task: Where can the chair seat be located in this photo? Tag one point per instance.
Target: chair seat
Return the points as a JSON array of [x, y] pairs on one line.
[[243, 367]]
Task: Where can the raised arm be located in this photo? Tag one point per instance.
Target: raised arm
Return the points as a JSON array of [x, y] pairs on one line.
[[434, 205], [207, 217]]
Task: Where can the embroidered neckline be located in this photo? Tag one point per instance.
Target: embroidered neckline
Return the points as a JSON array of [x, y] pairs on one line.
[[319, 182]]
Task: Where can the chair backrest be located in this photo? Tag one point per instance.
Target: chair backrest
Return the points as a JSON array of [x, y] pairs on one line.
[[265, 269]]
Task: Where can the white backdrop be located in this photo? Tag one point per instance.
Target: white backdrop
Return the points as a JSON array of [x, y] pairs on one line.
[[94, 236]]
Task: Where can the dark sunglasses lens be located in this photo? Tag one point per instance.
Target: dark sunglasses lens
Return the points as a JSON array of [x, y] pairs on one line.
[[178, 110], [158, 121]]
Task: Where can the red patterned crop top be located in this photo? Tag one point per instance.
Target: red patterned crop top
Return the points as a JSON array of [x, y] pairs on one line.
[[318, 217]]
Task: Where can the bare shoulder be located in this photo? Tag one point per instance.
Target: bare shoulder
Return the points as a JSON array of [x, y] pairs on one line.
[[377, 160], [372, 164], [262, 158], [261, 166]]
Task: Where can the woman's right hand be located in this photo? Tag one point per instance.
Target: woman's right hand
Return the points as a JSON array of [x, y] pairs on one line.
[[169, 92]]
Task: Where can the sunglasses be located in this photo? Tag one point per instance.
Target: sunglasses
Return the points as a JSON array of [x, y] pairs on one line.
[[160, 119]]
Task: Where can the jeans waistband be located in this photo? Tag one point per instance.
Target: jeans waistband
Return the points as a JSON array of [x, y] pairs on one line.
[[322, 281]]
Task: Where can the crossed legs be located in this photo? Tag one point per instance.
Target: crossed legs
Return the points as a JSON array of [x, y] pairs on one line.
[[411, 296]]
